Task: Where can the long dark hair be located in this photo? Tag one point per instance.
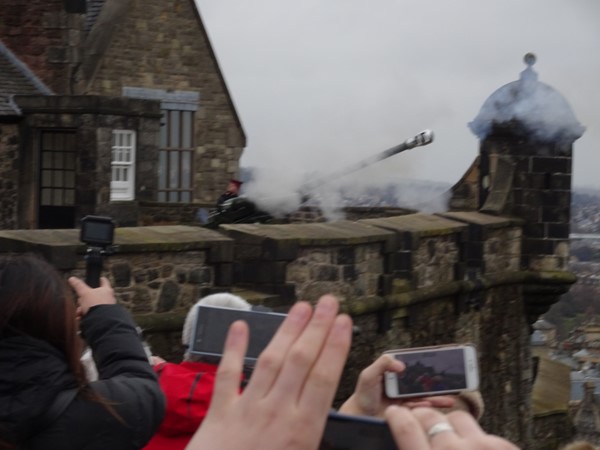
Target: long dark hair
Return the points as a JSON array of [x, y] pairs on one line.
[[36, 301]]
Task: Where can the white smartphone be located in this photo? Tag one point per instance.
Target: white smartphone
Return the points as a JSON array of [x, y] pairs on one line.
[[212, 324], [438, 370]]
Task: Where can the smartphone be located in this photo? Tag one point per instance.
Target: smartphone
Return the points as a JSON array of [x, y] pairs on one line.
[[212, 324], [343, 432], [439, 370]]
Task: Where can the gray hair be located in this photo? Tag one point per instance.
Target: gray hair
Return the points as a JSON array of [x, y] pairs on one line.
[[221, 300]]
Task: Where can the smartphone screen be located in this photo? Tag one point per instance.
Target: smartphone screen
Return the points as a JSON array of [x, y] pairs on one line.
[[212, 325], [434, 371], [343, 432]]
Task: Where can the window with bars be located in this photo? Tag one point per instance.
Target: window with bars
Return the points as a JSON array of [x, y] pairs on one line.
[[57, 175], [176, 156], [122, 185]]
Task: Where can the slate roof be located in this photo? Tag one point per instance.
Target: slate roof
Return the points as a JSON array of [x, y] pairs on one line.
[[16, 79]]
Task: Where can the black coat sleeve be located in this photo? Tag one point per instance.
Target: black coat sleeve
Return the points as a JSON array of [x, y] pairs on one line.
[[126, 380]]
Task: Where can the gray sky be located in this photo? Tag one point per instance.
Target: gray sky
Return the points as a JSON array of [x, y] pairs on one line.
[[322, 84]]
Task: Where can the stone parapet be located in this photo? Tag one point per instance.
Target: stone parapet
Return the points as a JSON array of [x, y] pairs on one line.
[[458, 279], [492, 244], [427, 250], [304, 260], [153, 270]]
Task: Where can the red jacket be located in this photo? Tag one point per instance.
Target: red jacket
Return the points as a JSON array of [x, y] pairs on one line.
[[188, 388]]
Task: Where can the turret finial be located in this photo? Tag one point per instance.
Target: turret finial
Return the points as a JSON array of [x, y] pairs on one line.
[[529, 59]]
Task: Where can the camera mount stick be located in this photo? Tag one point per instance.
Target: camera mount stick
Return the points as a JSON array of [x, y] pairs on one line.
[[93, 266]]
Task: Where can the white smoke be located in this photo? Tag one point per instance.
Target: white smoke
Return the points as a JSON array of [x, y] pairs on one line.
[[540, 109], [318, 84]]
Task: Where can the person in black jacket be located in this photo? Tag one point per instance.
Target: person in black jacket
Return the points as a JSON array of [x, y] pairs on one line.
[[233, 191], [45, 399]]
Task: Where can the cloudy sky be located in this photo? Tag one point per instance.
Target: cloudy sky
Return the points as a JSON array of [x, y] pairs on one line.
[[322, 84]]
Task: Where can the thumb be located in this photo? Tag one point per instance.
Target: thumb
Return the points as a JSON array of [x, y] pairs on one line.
[[78, 285]]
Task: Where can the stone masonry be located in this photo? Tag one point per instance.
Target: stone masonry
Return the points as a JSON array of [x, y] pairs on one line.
[[9, 184], [377, 267], [163, 45]]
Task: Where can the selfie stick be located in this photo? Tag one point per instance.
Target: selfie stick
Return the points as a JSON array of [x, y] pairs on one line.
[[98, 233], [93, 266]]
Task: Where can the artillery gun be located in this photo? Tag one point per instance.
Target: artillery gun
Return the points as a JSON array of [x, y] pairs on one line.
[[243, 210]]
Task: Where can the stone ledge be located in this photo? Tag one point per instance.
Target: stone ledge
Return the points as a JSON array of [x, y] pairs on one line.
[[484, 220], [281, 242], [63, 248], [420, 225]]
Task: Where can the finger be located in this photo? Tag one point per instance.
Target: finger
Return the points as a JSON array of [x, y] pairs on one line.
[[415, 404], [429, 417], [442, 401], [306, 350], [78, 285], [104, 282], [227, 381], [373, 374], [271, 359], [321, 384], [406, 430], [468, 430], [464, 423]]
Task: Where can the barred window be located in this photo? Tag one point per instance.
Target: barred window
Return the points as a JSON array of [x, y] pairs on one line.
[[176, 156], [57, 174]]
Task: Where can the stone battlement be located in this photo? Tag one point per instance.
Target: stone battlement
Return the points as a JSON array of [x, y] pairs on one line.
[[407, 281]]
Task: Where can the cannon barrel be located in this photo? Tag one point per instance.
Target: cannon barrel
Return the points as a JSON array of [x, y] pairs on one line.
[[423, 138]]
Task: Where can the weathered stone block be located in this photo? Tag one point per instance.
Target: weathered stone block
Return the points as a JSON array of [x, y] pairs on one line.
[[168, 296]]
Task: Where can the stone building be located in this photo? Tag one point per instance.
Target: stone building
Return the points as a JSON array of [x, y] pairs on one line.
[[586, 415], [482, 272], [111, 107]]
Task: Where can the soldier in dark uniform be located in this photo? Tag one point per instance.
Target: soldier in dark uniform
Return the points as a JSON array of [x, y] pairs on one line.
[[233, 191]]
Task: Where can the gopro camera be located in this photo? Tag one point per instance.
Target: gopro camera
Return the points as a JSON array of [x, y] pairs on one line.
[[98, 233]]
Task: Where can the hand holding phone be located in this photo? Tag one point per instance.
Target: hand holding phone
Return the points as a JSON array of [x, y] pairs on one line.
[[429, 371], [212, 324]]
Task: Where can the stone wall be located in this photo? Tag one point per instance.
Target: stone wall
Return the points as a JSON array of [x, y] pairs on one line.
[[163, 45], [93, 120], [45, 37], [9, 175], [377, 267]]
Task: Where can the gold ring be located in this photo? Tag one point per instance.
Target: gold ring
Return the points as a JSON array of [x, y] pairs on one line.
[[439, 428]]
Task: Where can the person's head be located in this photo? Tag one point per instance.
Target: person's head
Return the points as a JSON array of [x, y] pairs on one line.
[[234, 186], [35, 301], [221, 300]]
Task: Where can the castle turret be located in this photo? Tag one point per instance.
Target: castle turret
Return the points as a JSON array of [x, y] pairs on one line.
[[526, 129]]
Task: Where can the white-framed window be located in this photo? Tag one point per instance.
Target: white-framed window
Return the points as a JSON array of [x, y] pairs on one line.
[[122, 185], [176, 153]]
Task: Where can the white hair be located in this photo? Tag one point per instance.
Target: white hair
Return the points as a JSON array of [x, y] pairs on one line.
[[221, 300], [91, 372], [89, 364]]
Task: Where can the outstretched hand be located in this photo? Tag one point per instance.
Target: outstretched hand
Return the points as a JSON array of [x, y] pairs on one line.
[[289, 395], [369, 398], [88, 297]]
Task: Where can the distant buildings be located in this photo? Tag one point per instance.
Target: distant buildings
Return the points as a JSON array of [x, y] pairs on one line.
[[576, 361]]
